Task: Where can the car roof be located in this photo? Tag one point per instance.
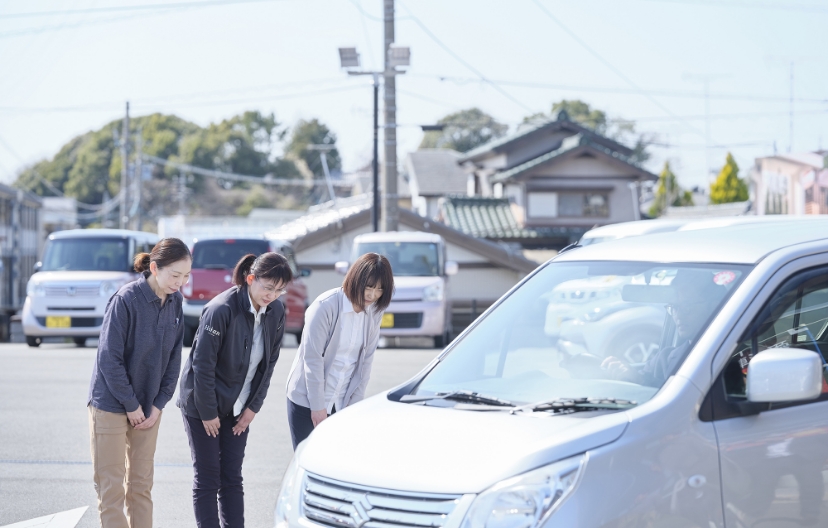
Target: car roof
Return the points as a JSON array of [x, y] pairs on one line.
[[96, 233], [639, 227], [245, 238], [744, 243], [399, 236]]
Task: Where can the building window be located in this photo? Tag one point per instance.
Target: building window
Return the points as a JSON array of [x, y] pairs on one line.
[[543, 204]]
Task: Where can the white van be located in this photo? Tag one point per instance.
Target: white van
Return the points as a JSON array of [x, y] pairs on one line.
[[724, 425], [421, 305], [81, 269]]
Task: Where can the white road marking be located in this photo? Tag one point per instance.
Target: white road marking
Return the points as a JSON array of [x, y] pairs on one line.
[[66, 519]]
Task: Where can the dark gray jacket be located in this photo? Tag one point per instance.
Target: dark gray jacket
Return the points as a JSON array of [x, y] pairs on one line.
[[214, 374], [139, 351]]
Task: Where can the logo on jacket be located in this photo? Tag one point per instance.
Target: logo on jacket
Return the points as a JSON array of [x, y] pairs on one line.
[[210, 330]]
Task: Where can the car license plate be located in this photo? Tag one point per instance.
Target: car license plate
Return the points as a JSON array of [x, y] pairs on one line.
[[387, 320], [62, 321]]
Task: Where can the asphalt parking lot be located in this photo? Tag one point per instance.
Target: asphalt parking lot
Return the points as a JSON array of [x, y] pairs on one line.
[[44, 440]]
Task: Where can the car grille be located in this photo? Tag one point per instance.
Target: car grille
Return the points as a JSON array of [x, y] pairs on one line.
[[340, 505], [72, 291], [408, 320]]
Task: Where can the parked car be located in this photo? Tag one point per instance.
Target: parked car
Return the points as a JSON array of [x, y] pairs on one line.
[[213, 263], [421, 305], [725, 426], [81, 269]]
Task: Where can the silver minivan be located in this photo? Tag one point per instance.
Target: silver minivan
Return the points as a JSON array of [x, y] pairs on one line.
[[80, 270], [723, 424]]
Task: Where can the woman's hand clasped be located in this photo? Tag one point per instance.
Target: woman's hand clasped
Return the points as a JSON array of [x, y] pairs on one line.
[[243, 421], [318, 416], [135, 417], [212, 426], [149, 422]]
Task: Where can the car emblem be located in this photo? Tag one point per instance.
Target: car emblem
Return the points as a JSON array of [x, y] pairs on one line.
[[71, 291], [360, 514]]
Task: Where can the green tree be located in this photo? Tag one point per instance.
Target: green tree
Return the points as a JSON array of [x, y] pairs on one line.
[[728, 187], [669, 192], [464, 130], [582, 113], [256, 198], [313, 132]]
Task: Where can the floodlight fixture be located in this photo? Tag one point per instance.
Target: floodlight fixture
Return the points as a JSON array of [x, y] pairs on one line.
[[348, 58], [399, 56]]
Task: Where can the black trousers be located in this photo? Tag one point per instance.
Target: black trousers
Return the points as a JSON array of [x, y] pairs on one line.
[[299, 419], [218, 494]]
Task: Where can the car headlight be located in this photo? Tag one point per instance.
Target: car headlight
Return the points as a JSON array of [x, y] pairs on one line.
[[433, 292], [108, 288], [527, 500], [34, 289], [289, 492]]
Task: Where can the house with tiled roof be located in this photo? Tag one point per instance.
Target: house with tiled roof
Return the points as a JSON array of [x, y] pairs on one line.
[[432, 174], [559, 178]]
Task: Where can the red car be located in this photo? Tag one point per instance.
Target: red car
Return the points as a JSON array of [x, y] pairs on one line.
[[213, 263]]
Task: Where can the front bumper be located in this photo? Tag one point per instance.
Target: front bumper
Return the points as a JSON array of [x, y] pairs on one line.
[[86, 318], [416, 318]]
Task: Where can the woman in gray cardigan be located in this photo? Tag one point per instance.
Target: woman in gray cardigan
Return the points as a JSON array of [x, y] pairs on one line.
[[341, 333]]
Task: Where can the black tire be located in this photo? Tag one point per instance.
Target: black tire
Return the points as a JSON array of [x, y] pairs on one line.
[[33, 341], [80, 342], [189, 335]]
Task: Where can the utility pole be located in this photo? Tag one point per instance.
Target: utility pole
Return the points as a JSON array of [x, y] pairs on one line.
[[125, 171], [138, 180], [375, 210], [390, 207], [705, 79], [791, 111], [323, 150]]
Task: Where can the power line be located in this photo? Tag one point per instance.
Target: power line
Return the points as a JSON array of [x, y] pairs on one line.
[[751, 4], [145, 7], [459, 59], [664, 93], [609, 65]]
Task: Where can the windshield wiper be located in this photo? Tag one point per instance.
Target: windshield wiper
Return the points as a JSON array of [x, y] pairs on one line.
[[459, 395], [577, 404], [216, 266]]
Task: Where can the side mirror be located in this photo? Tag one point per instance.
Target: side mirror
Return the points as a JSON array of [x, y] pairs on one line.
[[38, 265], [452, 267], [784, 375], [305, 272], [341, 267]]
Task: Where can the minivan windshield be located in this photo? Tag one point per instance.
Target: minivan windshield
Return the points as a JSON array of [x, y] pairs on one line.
[[87, 254], [408, 259], [611, 331], [224, 254]]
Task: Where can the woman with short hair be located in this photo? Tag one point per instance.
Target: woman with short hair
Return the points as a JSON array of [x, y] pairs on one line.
[[225, 381], [136, 369], [333, 363]]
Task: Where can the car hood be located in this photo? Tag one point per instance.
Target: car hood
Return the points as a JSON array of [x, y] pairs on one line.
[[411, 288], [62, 277], [401, 446]]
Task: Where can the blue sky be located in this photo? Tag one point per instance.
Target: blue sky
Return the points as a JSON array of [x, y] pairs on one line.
[[67, 67]]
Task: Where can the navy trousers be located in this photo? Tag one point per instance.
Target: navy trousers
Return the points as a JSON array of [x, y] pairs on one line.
[[218, 494], [299, 419]]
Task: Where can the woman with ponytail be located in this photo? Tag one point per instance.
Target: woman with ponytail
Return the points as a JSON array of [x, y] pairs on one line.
[[225, 381], [136, 369]]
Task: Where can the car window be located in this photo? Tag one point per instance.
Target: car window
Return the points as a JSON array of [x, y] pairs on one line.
[[587, 330], [408, 259], [795, 317], [224, 254], [87, 254]]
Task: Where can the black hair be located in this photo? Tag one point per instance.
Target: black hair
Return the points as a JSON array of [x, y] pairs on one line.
[[271, 266], [166, 252], [371, 269]]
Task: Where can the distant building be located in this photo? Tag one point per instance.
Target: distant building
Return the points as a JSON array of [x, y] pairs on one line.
[[59, 214], [433, 174], [791, 183], [558, 178]]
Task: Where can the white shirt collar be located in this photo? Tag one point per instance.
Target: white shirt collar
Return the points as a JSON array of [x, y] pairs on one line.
[[256, 315], [347, 306]]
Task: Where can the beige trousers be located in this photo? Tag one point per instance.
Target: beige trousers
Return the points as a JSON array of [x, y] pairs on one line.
[[123, 463]]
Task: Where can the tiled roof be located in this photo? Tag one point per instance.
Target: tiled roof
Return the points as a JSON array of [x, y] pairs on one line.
[[436, 172], [568, 144], [491, 218], [321, 216]]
